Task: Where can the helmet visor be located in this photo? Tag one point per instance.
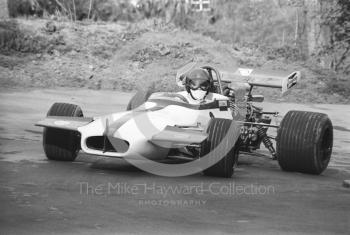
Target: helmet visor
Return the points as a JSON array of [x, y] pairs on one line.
[[198, 84]]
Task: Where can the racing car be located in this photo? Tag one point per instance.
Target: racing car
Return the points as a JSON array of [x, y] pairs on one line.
[[157, 126]]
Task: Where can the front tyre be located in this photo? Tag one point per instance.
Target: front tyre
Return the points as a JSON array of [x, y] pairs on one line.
[[218, 134], [62, 145], [304, 142]]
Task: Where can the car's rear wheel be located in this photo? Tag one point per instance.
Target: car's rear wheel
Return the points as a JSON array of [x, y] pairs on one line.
[[219, 134], [304, 142], [139, 98], [62, 145]]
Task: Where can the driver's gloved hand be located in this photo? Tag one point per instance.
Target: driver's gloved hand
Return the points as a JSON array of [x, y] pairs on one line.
[[229, 93]]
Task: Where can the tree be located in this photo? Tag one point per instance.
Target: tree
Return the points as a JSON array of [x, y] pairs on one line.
[[337, 18], [4, 14], [328, 29]]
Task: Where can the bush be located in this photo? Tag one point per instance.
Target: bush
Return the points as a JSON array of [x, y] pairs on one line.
[[240, 21], [339, 86], [74, 9], [106, 10], [24, 8], [287, 52], [13, 39]]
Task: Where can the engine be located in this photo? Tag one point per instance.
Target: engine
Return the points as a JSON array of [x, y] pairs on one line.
[[254, 130]]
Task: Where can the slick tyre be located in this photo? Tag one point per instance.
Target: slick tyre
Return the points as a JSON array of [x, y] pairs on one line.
[[62, 145], [304, 142], [218, 134]]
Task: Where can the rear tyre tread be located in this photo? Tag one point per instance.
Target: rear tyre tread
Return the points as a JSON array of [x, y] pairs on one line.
[[304, 142]]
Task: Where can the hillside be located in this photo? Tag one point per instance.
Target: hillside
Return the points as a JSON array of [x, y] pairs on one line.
[[126, 57]]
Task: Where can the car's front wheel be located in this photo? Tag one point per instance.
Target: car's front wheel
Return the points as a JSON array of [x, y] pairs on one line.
[[221, 145], [62, 145]]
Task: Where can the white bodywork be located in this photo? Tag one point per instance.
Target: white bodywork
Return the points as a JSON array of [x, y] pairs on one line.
[[139, 126]]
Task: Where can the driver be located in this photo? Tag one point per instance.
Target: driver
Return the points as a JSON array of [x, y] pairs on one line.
[[198, 84]]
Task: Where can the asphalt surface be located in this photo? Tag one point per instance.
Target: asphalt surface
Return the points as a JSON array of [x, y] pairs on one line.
[[98, 195]]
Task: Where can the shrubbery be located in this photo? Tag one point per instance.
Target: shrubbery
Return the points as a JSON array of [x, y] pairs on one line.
[[229, 21], [23, 8], [13, 39], [108, 10], [105, 10]]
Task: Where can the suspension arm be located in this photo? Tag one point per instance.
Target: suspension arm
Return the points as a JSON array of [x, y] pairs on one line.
[[258, 124]]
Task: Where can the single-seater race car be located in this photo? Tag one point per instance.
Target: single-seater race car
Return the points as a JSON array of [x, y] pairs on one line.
[[163, 125]]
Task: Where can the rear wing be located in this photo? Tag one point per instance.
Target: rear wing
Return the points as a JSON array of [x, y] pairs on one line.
[[281, 80]]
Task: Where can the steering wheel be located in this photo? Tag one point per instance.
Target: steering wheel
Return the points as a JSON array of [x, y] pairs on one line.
[[210, 70], [181, 97], [175, 95]]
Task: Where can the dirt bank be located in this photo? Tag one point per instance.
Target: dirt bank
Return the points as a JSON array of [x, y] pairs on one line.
[[125, 57]]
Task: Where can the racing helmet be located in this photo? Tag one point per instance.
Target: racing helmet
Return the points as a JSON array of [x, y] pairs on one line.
[[198, 83]]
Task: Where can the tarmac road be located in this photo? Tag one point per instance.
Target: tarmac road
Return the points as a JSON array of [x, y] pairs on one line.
[[98, 195]]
